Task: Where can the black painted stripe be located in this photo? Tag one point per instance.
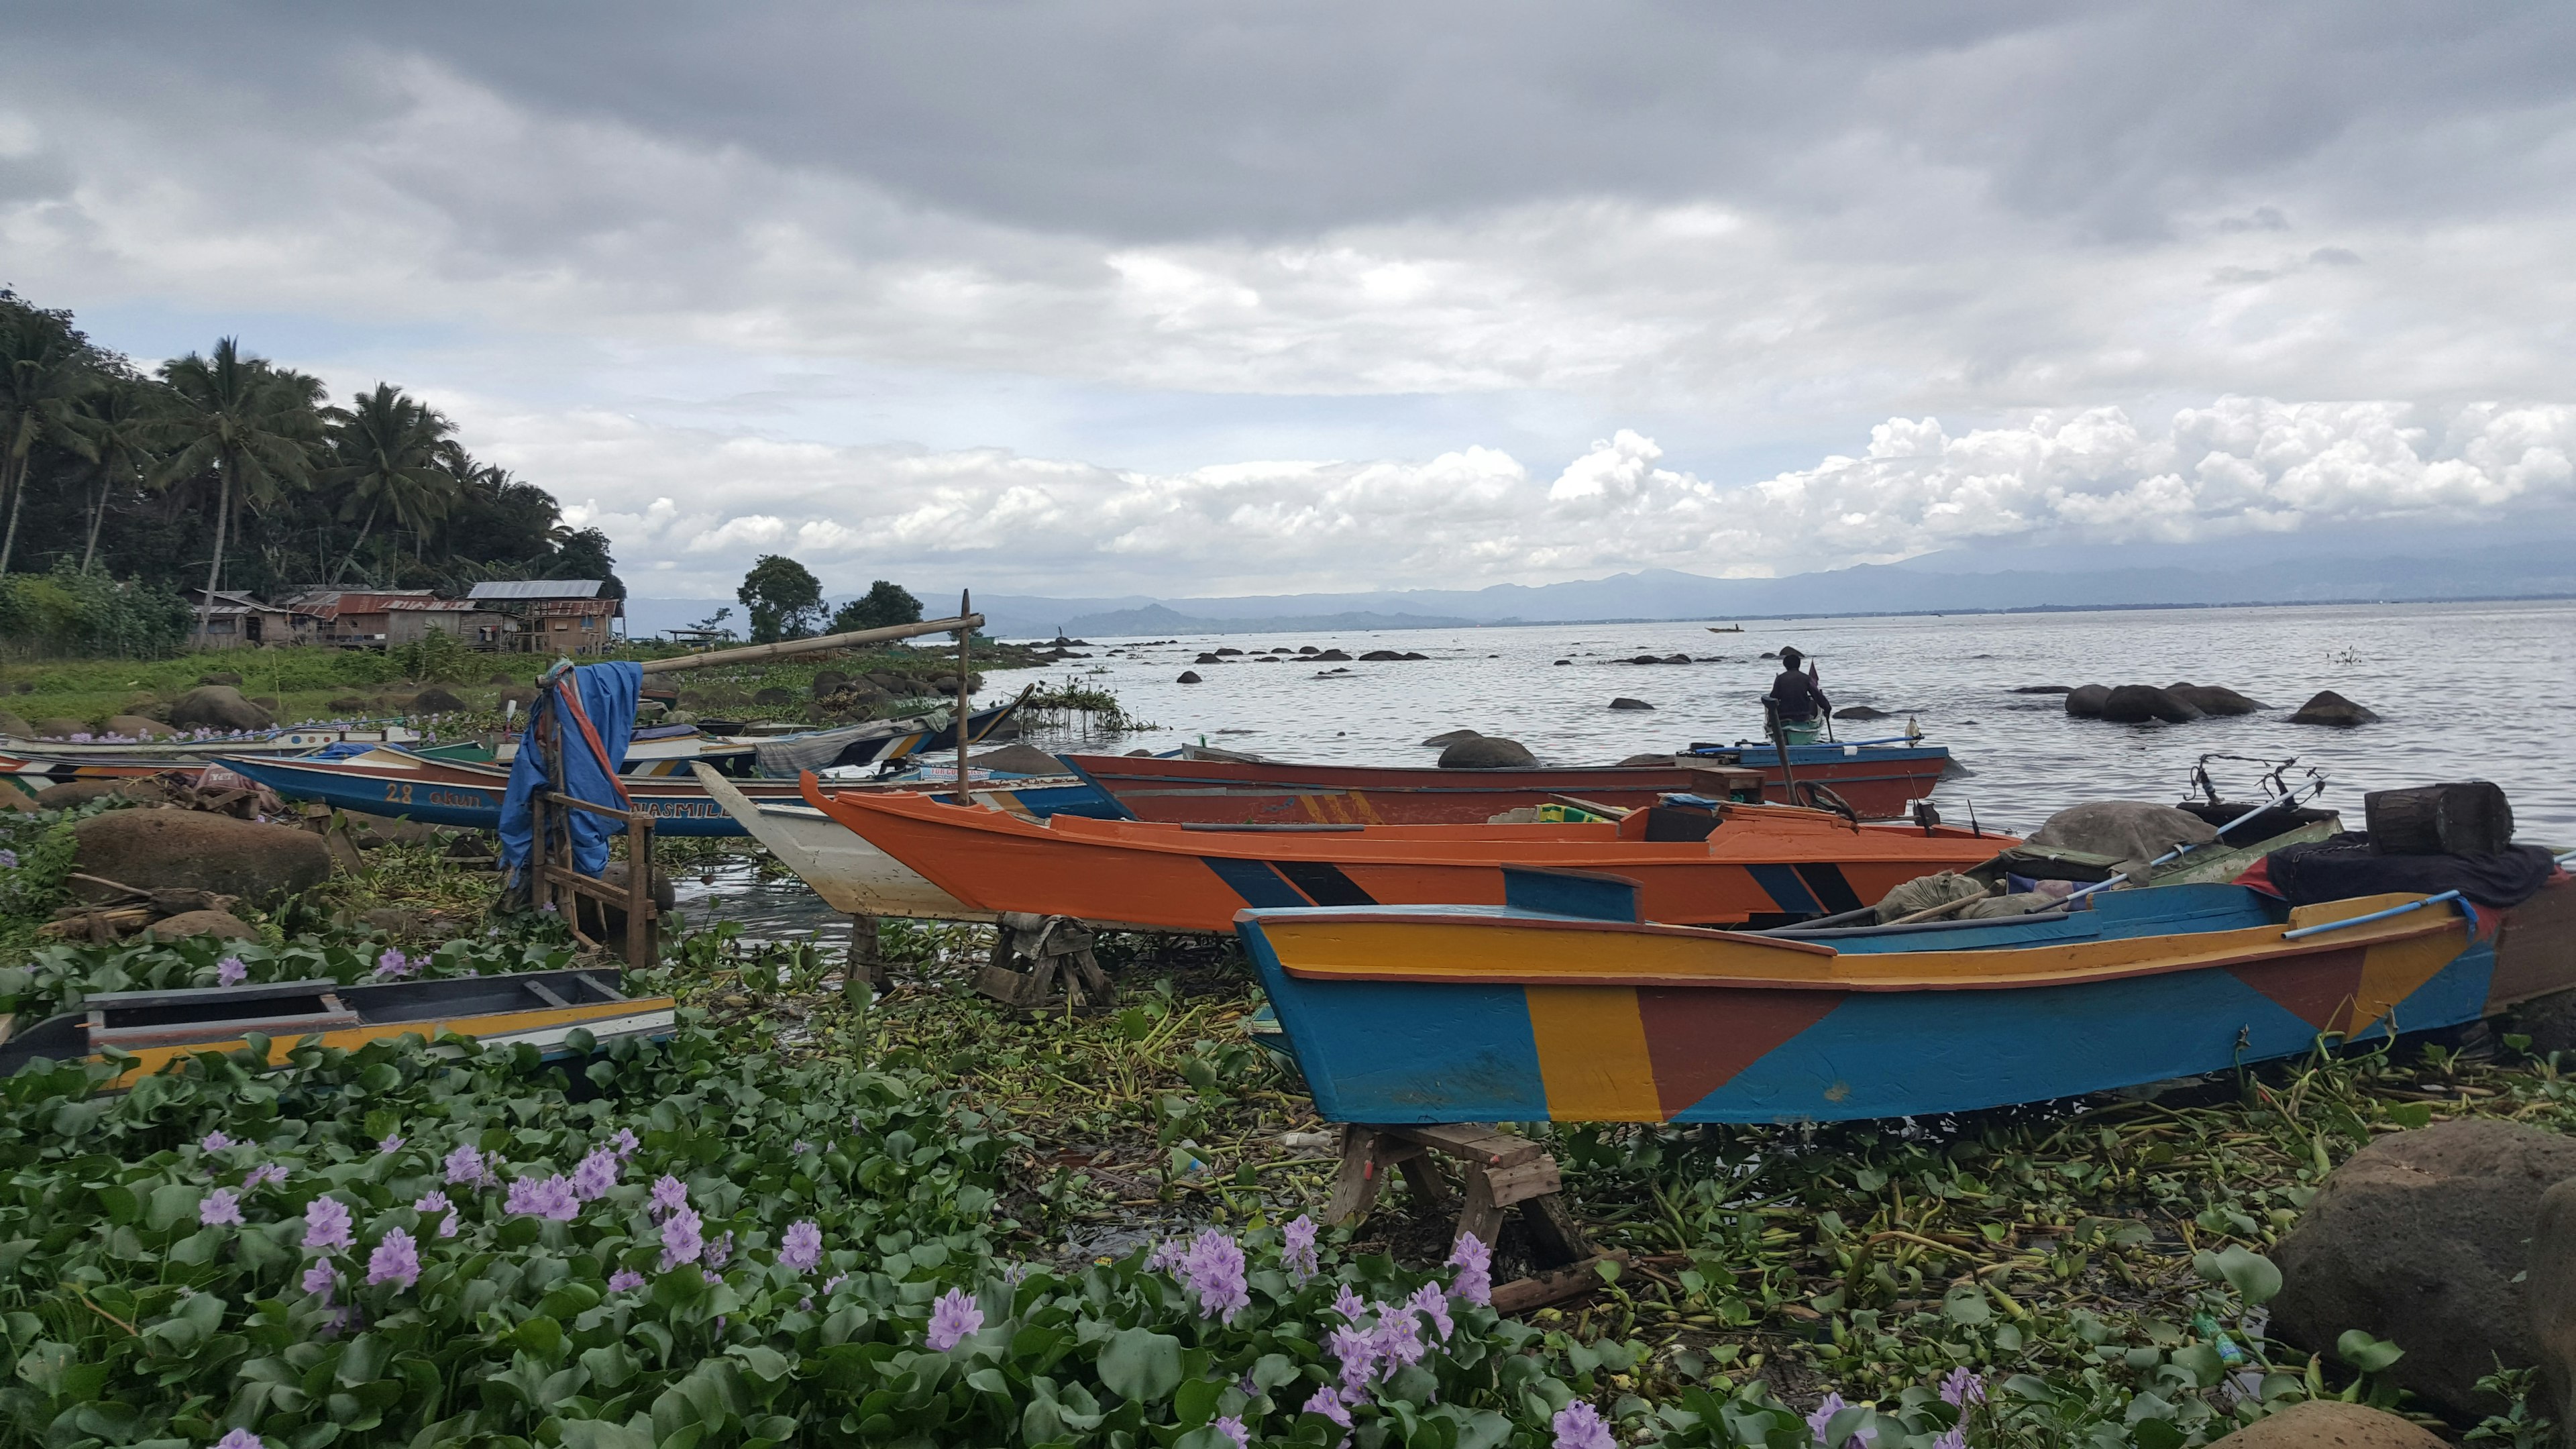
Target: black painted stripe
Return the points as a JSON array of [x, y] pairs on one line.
[[1835, 893], [1324, 883]]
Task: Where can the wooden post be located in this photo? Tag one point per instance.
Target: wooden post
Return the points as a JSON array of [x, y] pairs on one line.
[[641, 947], [965, 676]]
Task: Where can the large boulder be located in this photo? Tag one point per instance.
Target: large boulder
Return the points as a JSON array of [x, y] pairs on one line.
[[136, 727], [60, 727], [2330, 1424], [221, 676], [2421, 1238], [1486, 752], [80, 792], [1624, 702], [1189, 676], [2085, 701], [2138, 703], [438, 699], [2215, 699], [13, 726], [2550, 1289], [827, 680], [1860, 711], [773, 696], [1443, 741], [2330, 708], [2125, 830], [187, 924], [218, 707], [153, 849]]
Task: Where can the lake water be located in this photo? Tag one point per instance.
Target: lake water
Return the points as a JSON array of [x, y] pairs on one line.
[[2464, 691]]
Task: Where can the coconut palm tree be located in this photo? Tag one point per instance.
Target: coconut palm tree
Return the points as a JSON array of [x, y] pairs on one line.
[[392, 454], [250, 423], [120, 423], [45, 373]]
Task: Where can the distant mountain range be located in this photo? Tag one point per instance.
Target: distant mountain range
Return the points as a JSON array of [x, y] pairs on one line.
[[2279, 570]]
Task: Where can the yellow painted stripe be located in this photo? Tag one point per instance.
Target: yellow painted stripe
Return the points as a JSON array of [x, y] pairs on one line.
[[2391, 971], [153, 1059], [1592, 1054]]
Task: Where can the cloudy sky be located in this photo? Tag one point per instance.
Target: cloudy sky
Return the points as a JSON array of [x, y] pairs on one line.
[[1110, 298]]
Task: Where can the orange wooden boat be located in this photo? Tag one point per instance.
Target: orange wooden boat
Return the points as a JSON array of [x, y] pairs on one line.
[[1728, 865]]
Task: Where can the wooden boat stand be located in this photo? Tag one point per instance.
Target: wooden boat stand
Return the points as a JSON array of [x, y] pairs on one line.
[[553, 880], [1502, 1171], [1061, 971]]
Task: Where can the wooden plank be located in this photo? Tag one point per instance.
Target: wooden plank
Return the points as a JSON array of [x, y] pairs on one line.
[[1471, 1143], [1355, 1182], [1480, 1215], [1554, 1232], [1524, 1181], [1555, 1286]]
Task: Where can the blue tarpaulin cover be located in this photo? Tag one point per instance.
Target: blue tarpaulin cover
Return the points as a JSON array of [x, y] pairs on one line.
[[595, 729]]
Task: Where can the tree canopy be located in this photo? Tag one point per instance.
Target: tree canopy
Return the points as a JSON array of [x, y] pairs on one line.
[[783, 599], [227, 469], [885, 604]]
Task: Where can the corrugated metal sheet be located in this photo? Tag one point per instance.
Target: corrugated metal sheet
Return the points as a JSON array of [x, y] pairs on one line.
[[538, 589]]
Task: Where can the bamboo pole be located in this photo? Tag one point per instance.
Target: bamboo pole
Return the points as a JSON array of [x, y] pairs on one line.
[[786, 647], [965, 684]]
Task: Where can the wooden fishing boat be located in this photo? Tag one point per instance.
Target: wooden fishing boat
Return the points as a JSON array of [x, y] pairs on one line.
[[1562, 1003], [1727, 863], [444, 792], [181, 749], [543, 1009], [1877, 780], [854, 877]]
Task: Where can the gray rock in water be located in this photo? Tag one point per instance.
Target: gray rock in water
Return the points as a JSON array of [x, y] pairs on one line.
[[2330, 708], [1624, 702], [1859, 711], [1453, 737], [218, 707], [2138, 703], [2044, 689], [192, 850], [2419, 1238], [1768, 654], [1648, 762], [1486, 752], [1565, 661], [1335, 655], [1189, 676], [2085, 701], [2216, 699]]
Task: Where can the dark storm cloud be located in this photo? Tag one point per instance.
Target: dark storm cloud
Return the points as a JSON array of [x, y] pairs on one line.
[[1143, 122]]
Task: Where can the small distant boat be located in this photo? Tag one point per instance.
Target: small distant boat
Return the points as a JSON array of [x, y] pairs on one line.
[[1730, 863], [1563, 1004], [1877, 779], [543, 1009], [1725, 628]]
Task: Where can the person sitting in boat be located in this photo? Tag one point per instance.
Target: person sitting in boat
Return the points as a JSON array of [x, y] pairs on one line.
[[1802, 703]]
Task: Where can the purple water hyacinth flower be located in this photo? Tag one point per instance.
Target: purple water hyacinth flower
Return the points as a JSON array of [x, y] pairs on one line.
[[326, 1224], [835, 1281], [721, 1250], [265, 1172], [1347, 1304], [391, 1145], [596, 1175], [320, 1278], [8, 860], [1231, 1426], [1475, 1264], [436, 1202], [393, 965], [799, 1148], [670, 1195], [1961, 1388], [1356, 1350], [239, 1438], [1432, 1304], [214, 1141], [1213, 1269], [1824, 1415], [231, 972], [1397, 1337], [624, 1144], [682, 1238], [1014, 1274], [218, 1207], [1578, 1426], [625, 1280], [802, 1248], [1329, 1404], [713, 1277], [1297, 1248], [1954, 1437], [952, 1318], [466, 1168], [396, 1260], [1168, 1255], [543, 1197]]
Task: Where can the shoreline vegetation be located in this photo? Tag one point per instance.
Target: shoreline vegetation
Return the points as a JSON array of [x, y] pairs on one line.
[[1108, 1206]]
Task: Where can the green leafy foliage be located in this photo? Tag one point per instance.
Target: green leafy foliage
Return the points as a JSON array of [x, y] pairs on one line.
[[56, 979]]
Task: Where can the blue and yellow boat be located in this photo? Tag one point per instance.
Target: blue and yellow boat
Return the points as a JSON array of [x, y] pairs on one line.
[[1563, 1004]]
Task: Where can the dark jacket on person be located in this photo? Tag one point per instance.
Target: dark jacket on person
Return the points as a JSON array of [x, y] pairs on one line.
[[1800, 699]]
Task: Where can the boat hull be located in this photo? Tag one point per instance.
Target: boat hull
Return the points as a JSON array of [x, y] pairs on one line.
[[1763, 864], [1519, 1017], [1877, 781]]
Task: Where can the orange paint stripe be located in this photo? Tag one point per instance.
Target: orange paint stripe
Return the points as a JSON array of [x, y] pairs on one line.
[[153, 1059], [1592, 1054]]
